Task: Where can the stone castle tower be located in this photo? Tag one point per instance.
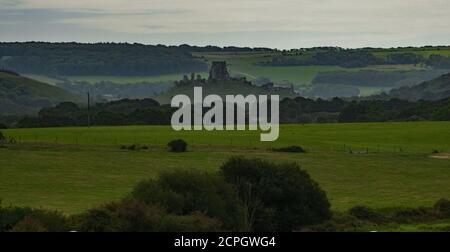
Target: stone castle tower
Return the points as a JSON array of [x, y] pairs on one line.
[[219, 71]]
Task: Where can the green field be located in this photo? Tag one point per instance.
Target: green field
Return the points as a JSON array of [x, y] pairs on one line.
[[424, 52], [300, 76], [72, 169]]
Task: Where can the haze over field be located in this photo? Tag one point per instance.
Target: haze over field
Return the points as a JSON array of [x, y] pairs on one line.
[[282, 24]]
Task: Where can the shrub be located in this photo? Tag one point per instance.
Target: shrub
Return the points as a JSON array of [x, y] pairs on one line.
[[125, 216], [412, 215], [29, 224], [196, 222], [338, 223], [184, 193], [364, 213], [276, 197], [178, 145], [3, 126], [135, 216], [443, 206], [28, 217], [294, 149]]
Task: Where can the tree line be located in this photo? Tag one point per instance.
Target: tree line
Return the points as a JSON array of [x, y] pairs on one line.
[[97, 59], [296, 110], [353, 58]]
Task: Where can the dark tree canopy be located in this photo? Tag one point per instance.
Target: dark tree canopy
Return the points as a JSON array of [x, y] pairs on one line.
[[277, 197], [97, 59]]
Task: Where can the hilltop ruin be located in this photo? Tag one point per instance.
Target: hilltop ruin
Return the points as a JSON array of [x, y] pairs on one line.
[[219, 71]]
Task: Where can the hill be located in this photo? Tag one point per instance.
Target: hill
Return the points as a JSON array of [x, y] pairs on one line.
[[220, 83], [224, 87], [20, 95], [435, 89], [116, 59]]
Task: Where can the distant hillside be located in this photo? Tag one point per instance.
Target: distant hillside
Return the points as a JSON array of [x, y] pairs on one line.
[[20, 95], [432, 90], [220, 83], [117, 59]]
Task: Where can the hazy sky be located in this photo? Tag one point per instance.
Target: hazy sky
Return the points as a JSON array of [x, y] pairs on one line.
[[270, 23]]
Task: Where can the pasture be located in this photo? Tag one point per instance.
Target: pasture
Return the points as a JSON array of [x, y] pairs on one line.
[[380, 165], [300, 76]]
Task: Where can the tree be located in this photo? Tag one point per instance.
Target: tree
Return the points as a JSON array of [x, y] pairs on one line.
[[277, 197], [185, 193], [178, 145]]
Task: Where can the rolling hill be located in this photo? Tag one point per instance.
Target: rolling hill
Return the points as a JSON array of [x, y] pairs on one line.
[[223, 88], [20, 95], [435, 89]]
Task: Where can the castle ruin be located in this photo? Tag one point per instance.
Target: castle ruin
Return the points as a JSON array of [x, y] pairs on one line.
[[219, 71]]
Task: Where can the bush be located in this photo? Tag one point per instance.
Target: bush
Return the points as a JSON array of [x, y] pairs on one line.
[[443, 206], [125, 216], [135, 216], [413, 215], [185, 193], [22, 218], [178, 145], [29, 224], [338, 223], [196, 222], [294, 149], [364, 213], [276, 197], [3, 126]]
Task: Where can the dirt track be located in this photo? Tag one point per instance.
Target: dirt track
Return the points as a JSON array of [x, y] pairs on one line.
[[441, 156]]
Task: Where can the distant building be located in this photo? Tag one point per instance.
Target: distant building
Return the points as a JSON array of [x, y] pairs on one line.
[[219, 71]]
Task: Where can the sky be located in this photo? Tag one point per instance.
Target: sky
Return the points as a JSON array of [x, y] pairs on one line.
[[282, 24]]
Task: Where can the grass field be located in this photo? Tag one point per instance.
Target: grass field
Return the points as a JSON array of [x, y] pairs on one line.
[[72, 169], [300, 76], [424, 52]]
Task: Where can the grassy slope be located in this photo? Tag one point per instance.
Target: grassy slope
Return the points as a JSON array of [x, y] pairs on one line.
[[72, 177], [43, 78], [300, 76], [29, 90], [439, 86]]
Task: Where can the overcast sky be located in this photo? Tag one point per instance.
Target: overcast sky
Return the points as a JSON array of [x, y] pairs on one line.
[[268, 23]]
